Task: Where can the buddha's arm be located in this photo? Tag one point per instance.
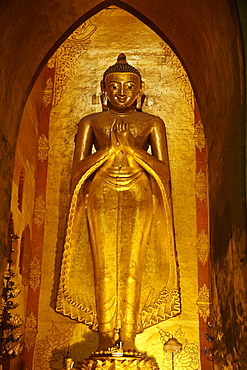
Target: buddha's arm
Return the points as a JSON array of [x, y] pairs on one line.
[[159, 167], [159, 159], [83, 159]]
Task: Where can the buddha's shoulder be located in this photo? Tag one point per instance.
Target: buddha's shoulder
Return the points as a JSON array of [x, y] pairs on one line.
[[155, 120], [91, 118]]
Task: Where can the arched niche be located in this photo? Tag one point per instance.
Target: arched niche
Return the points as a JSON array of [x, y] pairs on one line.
[[71, 90], [209, 41]]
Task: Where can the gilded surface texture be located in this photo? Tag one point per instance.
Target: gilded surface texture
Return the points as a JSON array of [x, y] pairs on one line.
[[122, 219], [179, 73], [67, 55]]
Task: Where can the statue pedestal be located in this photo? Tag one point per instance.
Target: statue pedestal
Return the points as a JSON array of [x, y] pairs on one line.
[[117, 363]]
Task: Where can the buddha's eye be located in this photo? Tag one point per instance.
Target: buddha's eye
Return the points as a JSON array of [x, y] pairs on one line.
[[130, 87]]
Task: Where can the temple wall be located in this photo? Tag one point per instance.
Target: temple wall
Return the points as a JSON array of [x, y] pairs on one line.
[[23, 202], [208, 41]]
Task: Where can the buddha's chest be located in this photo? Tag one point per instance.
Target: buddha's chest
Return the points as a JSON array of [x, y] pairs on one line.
[[140, 130]]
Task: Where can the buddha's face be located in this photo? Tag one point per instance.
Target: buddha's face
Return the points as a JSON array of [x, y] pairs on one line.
[[122, 89]]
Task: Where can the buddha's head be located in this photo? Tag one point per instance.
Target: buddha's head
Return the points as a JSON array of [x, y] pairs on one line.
[[122, 87]]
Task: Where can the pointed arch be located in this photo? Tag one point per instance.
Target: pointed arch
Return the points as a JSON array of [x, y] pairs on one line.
[[208, 40]]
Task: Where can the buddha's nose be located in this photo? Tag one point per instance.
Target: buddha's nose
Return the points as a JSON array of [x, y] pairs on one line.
[[122, 89]]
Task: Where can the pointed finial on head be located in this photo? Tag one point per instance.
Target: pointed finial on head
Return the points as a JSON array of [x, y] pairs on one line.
[[121, 59]]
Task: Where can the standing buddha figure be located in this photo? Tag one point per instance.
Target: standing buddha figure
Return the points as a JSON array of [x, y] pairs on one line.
[[119, 271]]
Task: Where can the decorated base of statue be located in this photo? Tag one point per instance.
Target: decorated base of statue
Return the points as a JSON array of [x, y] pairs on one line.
[[118, 360]]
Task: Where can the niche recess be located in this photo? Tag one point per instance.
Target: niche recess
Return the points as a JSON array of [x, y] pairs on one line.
[[70, 85]]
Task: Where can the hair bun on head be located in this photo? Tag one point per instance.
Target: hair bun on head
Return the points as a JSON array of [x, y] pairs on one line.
[[121, 66]]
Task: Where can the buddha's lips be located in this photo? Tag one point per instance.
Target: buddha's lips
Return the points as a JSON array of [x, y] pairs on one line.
[[122, 99]]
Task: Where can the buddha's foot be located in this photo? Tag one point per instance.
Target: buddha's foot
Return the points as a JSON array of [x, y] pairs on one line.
[[126, 361]]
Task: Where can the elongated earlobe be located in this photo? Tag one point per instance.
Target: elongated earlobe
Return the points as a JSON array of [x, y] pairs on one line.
[[104, 97], [139, 101], [140, 97], [104, 100]]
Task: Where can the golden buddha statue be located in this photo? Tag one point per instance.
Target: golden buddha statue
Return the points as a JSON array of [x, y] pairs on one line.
[[118, 272]]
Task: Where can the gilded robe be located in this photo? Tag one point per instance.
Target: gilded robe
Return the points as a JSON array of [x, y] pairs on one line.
[[159, 298]]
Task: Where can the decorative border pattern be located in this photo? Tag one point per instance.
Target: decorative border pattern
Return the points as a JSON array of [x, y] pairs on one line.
[[201, 185], [38, 220], [35, 274], [203, 303], [43, 148], [203, 243], [202, 247], [30, 331], [48, 92], [39, 211], [199, 136]]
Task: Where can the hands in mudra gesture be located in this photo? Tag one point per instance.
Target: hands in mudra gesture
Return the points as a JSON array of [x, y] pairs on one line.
[[121, 139]]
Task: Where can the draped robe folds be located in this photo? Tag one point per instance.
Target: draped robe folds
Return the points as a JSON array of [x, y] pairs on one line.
[[159, 299]]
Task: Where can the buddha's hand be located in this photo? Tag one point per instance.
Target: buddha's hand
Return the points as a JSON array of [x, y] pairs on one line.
[[125, 137], [114, 144]]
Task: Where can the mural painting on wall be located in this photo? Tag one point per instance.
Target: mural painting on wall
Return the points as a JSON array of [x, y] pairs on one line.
[[64, 60], [30, 331], [169, 57], [184, 357], [50, 353], [70, 98]]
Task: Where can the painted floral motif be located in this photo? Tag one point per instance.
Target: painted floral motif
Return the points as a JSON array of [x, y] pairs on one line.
[[39, 211], [202, 247], [48, 92], [43, 148], [187, 358], [30, 331], [35, 273], [50, 352], [201, 185], [203, 303], [67, 54], [199, 136]]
